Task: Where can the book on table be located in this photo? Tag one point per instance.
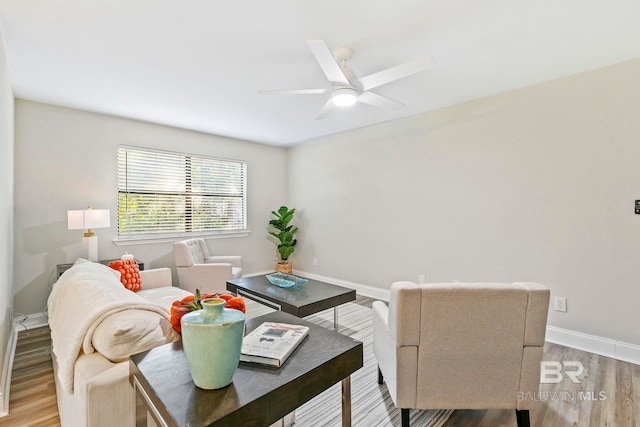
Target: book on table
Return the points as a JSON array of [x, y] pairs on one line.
[[272, 343]]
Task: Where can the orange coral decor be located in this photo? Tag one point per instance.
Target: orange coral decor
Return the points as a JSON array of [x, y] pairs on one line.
[[191, 303]]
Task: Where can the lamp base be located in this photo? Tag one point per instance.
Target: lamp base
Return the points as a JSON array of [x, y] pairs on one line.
[[90, 248]]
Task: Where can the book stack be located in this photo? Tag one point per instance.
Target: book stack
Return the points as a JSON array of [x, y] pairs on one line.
[[272, 343]]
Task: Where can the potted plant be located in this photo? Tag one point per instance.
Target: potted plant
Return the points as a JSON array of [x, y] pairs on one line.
[[285, 235]]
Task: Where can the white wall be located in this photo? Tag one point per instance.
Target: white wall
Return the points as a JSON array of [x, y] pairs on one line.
[[536, 184], [6, 202], [66, 159], [533, 185]]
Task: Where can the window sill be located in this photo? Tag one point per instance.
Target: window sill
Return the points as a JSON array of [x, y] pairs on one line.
[[146, 240]]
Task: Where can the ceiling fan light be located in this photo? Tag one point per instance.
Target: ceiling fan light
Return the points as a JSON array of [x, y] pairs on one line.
[[344, 97]]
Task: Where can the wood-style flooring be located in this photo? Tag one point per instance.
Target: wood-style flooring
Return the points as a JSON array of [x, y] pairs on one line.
[[33, 399], [608, 395]]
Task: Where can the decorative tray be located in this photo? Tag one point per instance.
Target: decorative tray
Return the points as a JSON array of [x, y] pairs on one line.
[[284, 280]]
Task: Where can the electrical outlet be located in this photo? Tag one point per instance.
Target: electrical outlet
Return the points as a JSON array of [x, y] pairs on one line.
[[560, 304], [422, 279], [314, 261]]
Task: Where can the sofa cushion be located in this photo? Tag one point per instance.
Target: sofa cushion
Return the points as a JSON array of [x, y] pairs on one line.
[[130, 332], [164, 296]]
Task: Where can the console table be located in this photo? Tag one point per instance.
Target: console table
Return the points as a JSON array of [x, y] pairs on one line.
[[61, 268], [258, 396]]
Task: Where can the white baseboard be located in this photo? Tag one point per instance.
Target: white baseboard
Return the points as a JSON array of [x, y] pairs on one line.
[[5, 383], [365, 290], [619, 350], [19, 324], [260, 273], [35, 320]]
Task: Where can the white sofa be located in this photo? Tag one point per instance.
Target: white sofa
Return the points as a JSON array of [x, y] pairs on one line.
[[96, 324]]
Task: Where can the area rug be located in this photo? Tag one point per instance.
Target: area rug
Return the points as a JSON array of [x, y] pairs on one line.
[[371, 404]]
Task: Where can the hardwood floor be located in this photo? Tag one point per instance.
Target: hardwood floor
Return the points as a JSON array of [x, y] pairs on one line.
[[608, 395], [33, 399]]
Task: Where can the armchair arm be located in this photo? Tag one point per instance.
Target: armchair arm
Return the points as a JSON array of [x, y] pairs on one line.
[[405, 304], [383, 344], [382, 339], [234, 260], [208, 278], [530, 377], [537, 310], [398, 363], [102, 394], [535, 328], [155, 278], [380, 313]]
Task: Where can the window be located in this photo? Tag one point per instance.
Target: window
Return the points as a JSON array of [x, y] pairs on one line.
[[165, 194]]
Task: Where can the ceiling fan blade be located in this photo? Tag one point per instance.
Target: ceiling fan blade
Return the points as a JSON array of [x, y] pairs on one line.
[[379, 101], [328, 107], [293, 91], [395, 73], [327, 62]]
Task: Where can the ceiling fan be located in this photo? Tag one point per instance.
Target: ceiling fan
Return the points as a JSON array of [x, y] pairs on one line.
[[347, 89]]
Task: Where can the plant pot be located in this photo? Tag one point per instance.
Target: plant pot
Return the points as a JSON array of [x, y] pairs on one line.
[[212, 340], [284, 267]]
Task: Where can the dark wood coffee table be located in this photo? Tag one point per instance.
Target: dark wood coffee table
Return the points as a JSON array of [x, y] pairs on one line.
[[313, 297], [258, 395]]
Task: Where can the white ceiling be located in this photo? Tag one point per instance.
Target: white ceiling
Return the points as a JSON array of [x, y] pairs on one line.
[[198, 64]]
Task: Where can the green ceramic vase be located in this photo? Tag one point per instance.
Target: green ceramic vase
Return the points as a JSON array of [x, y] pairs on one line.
[[212, 340]]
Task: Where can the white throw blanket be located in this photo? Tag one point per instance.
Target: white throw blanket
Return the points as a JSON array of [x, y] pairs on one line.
[[82, 297]]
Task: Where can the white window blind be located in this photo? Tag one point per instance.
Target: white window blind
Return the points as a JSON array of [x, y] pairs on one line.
[[162, 193]]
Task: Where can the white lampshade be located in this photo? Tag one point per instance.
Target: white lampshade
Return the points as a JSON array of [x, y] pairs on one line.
[[86, 220]]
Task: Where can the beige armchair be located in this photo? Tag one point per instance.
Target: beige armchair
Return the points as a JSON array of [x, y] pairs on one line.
[[199, 270], [461, 346]]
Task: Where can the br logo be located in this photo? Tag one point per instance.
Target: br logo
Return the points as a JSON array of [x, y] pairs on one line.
[[552, 372]]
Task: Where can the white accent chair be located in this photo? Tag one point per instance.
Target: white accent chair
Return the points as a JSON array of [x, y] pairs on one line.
[[461, 346], [199, 270]]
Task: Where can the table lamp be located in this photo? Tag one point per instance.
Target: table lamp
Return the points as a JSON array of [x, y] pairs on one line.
[[89, 219]]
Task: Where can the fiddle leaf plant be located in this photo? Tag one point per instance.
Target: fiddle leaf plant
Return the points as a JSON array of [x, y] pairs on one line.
[[283, 231]]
